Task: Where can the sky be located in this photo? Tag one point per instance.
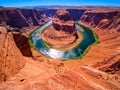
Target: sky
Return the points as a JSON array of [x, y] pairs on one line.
[[19, 3]]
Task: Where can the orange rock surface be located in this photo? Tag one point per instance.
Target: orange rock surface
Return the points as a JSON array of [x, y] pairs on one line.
[[62, 31], [99, 69], [11, 59]]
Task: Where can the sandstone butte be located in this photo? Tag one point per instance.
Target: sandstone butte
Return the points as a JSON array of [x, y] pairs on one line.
[[62, 32], [23, 68]]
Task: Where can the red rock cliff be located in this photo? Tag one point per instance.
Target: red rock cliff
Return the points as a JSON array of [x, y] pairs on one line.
[[13, 40], [21, 17], [11, 59], [62, 31], [53, 74], [100, 17], [62, 20], [103, 19]]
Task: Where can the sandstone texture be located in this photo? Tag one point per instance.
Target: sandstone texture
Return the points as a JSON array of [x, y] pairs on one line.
[[21, 17], [11, 59], [108, 19], [62, 32], [22, 68], [62, 21], [99, 17], [15, 26]]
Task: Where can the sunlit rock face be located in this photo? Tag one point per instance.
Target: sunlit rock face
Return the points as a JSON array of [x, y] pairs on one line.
[[98, 70], [11, 59], [62, 31], [15, 26], [108, 19], [63, 21]]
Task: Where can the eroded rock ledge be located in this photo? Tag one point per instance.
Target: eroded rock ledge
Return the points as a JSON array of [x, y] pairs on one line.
[[19, 18], [15, 26], [62, 32], [11, 59], [98, 70]]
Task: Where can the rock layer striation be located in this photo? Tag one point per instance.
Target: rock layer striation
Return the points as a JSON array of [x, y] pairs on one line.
[[98, 70], [21, 17], [62, 31]]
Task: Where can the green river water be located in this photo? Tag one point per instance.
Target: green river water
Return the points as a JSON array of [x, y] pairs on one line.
[[89, 39]]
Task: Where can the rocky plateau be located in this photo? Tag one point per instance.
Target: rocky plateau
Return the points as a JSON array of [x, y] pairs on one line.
[[23, 68]]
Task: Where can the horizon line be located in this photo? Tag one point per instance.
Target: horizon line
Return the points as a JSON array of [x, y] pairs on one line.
[[62, 6]]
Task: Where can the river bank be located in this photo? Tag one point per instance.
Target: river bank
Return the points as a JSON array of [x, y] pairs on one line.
[[89, 39]]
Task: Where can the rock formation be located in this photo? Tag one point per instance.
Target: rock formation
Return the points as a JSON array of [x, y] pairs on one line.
[[21, 17], [76, 13], [108, 19], [99, 17], [11, 59], [62, 31], [49, 12], [63, 21], [25, 69], [14, 40]]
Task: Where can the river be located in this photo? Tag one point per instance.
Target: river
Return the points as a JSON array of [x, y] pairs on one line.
[[89, 37]]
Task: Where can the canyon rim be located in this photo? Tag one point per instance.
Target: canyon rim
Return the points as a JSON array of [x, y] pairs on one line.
[[24, 68]]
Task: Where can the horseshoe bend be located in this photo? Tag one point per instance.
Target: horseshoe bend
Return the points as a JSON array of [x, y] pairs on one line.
[[60, 48], [62, 32], [61, 39]]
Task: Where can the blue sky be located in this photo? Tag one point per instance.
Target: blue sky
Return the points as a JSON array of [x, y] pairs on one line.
[[18, 3]]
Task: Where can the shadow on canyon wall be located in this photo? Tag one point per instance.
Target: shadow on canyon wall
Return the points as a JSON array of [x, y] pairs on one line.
[[23, 45]]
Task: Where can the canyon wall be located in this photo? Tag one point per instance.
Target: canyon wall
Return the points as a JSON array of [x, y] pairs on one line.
[[62, 32], [103, 18], [76, 13], [11, 59], [49, 12], [14, 42], [63, 21], [98, 70], [21, 17]]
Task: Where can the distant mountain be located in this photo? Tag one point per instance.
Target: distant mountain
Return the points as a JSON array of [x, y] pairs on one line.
[[59, 6], [1, 7], [55, 6], [50, 6]]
